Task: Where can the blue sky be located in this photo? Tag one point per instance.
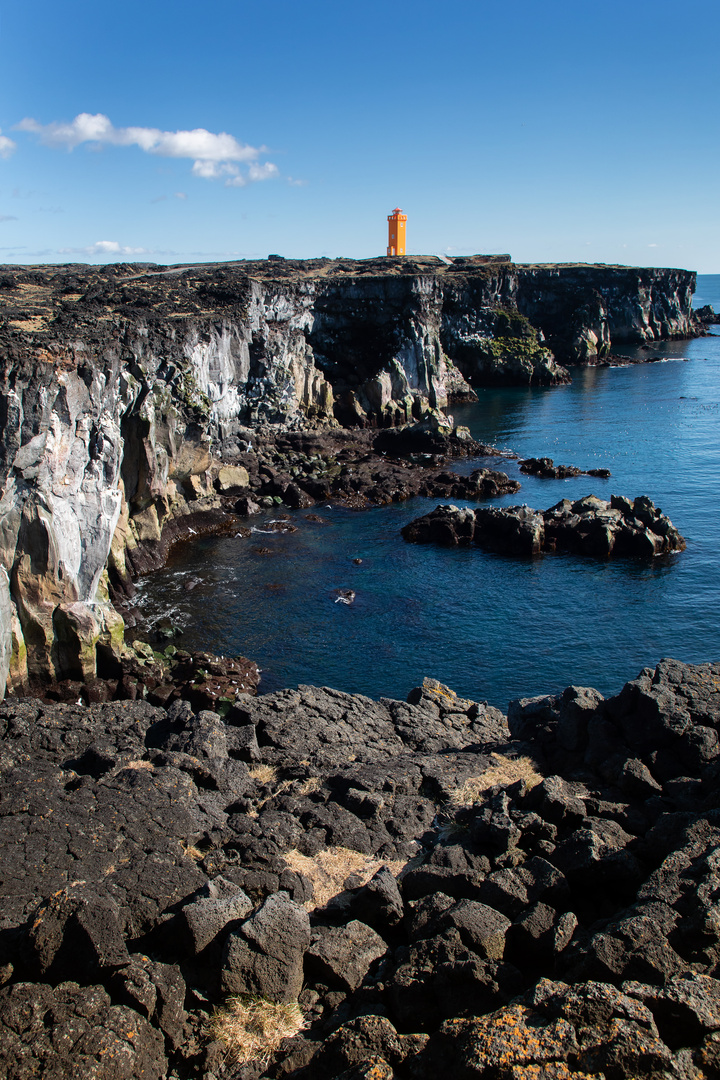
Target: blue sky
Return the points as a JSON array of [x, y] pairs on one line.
[[561, 130]]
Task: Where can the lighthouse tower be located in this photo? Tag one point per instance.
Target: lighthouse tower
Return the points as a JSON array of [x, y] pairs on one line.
[[396, 232]]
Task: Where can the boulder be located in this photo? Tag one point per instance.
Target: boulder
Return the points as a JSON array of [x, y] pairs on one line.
[[446, 525], [596, 856], [540, 935], [368, 1041], [156, 991], [379, 902], [231, 479], [557, 801], [515, 530], [264, 956], [481, 928], [75, 931], [221, 902], [75, 1031], [297, 497], [547, 470], [554, 1031], [512, 1039], [686, 1009], [512, 889], [342, 956], [246, 507], [201, 736]]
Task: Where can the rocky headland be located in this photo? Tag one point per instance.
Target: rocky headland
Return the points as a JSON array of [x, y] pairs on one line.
[[403, 889], [141, 404]]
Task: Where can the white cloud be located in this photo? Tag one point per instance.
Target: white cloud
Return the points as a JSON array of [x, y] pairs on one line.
[[262, 172], [103, 247], [7, 217], [256, 172], [180, 195], [213, 170], [214, 156], [7, 146]]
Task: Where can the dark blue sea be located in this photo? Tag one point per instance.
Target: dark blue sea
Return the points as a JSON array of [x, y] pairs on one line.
[[491, 627]]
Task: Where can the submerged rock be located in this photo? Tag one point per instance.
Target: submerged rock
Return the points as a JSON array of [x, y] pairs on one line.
[[546, 469]]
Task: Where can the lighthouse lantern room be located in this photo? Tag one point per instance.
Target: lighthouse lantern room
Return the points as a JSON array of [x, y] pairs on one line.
[[396, 232]]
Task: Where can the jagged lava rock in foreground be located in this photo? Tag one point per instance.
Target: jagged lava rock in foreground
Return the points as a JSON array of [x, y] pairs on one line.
[[445, 890], [589, 526]]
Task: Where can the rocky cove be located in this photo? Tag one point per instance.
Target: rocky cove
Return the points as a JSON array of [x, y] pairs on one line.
[[422, 875], [130, 394]]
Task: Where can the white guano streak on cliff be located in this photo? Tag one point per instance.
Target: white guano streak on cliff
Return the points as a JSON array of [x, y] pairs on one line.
[[286, 373], [220, 366], [82, 496], [6, 612]]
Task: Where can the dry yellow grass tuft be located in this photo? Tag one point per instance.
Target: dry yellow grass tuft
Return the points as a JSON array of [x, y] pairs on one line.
[[192, 852], [307, 787], [252, 1028], [330, 868], [506, 771], [263, 774], [267, 777]]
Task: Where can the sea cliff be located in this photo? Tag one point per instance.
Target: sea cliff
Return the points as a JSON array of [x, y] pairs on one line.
[[127, 389]]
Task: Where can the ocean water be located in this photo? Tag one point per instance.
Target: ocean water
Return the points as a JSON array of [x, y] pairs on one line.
[[707, 291], [491, 627]]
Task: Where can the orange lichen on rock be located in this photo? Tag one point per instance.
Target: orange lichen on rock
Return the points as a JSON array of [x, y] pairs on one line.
[[514, 1036]]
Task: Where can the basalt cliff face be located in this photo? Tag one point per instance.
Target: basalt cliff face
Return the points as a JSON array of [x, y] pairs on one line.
[[584, 310], [125, 387]]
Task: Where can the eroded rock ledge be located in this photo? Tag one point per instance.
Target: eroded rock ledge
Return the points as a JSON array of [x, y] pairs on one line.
[[618, 528], [441, 887]]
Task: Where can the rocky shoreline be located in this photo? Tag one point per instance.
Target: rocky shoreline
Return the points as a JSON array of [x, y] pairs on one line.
[[140, 405], [279, 471], [441, 888], [298, 470]]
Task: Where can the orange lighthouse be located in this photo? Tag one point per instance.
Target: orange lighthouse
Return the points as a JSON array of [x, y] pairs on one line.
[[396, 232]]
